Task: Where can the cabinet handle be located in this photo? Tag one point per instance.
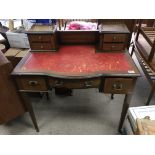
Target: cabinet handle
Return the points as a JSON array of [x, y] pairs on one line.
[[33, 83], [118, 86], [59, 83], [39, 37], [42, 46], [114, 38], [88, 84], [113, 46]]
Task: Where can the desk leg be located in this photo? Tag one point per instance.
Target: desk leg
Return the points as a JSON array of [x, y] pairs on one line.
[[30, 110], [125, 107], [112, 96]]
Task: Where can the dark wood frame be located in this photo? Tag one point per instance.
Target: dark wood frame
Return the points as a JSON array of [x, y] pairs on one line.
[[147, 33], [144, 59], [149, 73]]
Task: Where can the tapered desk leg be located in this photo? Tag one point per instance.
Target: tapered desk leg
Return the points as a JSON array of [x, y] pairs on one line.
[[30, 110], [125, 107]]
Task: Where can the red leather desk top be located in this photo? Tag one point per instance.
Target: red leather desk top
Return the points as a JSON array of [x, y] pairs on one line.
[[75, 60]]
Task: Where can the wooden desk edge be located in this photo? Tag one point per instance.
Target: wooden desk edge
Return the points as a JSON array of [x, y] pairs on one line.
[[17, 71]]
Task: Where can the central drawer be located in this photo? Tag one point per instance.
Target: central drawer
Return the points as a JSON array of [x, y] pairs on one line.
[[114, 37], [118, 85], [75, 84], [29, 83]]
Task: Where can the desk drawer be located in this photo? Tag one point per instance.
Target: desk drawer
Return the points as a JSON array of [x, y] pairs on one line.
[[118, 85], [41, 46], [39, 37], [113, 47], [31, 83], [114, 38], [75, 84]]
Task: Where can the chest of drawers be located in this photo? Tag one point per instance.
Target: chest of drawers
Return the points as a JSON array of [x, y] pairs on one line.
[[113, 37]]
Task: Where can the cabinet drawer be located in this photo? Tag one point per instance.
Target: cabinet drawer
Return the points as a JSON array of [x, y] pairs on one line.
[[113, 47], [39, 37], [31, 83], [114, 38], [41, 46], [75, 84], [118, 85]]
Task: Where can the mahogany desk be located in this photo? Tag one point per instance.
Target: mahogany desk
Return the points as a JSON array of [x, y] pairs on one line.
[[77, 67]]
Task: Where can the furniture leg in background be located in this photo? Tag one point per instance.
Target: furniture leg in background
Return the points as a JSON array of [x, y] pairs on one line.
[[112, 96], [151, 93]]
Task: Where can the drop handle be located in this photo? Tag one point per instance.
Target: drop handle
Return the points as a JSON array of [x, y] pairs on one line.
[[118, 86], [114, 38], [59, 83], [88, 83], [39, 37], [33, 83], [42, 46]]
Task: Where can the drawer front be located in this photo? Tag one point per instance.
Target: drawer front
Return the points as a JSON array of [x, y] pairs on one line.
[[39, 37], [113, 47], [114, 38], [31, 83], [75, 84], [41, 46], [118, 85]]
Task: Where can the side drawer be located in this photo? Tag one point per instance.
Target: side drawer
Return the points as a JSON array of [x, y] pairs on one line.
[[31, 83], [113, 47], [39, 37], [118, 85], [75, 84], [41, 46], [114, 37]]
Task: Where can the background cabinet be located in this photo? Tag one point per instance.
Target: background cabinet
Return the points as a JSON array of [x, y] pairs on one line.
[[42, 41], [113, 37], [11, 104]]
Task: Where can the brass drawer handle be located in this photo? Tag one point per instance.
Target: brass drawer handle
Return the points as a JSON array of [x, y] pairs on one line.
[[88, 83], [59, 83], [114, 38], [42, 46], [113, 46], [39, 37], [118, 86], [33, 83]]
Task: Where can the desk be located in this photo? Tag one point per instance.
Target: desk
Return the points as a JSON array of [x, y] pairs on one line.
[[78, 67]]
